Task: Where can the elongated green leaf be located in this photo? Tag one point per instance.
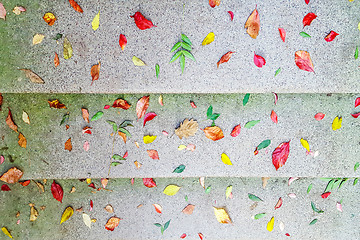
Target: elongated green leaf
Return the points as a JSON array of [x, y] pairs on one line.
[[185, 39], [157, 70], [179, 169], [336, 184], [330, 185], [157, 224], [123, 130], [176, 56], [209, 112], [166, 225], [313, 221], [254, 198], [208, 189], [356, 55], [182, 63], [342, 182], [97, 116], [117, 157], [114, 164], [277, 71], [259, 215], [113, 124], [355, 181], [356, 166], [315, 209], [186, 46], [251, 123], [309, 188], [125, 124], [264, 144], [176, 46], [214, 116], [304, 34], [188, 54], [246, 99], [64, 119], [162, 229], [186, 198]]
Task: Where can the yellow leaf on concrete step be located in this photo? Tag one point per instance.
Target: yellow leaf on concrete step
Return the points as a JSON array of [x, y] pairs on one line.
[[68, 51], [336, 124], [305, 144], [270, 225], [171, 190], [96, 21], [228, 191], [38, 38], [225, 159], [208, 39], [149, 139], [6, 232], [69, 211], [138, 61], [221, 215]]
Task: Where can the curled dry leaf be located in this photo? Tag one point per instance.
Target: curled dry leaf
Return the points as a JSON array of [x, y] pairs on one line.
[[331, 36], [280, 155], [149, 182], [18, 10], [153, 154], [95, 72], [141, 22], [141, 106], [73, 189], [308, 19], [259, 60], [236, 131], [253, 24], [214, 3], [68, 145], [57, 191], [319, 116], [2, 11], [32, 76], [226, 57], [38, 38], [160, 100], [33, 212], [282, 34], [12, 175], [49, 18], [40, 186], [148, 117], [56, 60], [10, 122], [279, 203], [137, 164], [193, 105], [56, 104], [112, 223], [85, 114], [187, 128], [303, 61], [75, 6], [188, 209], [121, 103], [292, 179], [22, 140], [221, 215], [109, 208], [24, 183], [158, 208], [202, 181], [214, 133], [122, 41], [273, 116]]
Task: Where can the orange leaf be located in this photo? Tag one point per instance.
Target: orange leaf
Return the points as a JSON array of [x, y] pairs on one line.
[[85, 114], [22, 140], [274, 117], [56, 60], [253, 24], [12, 175], [112, 223], [10, 122], [121, 103], [226, 57], [158, 208], [49, 18], [142, 106], [303, 61], [122, 41], [122, 135], [25, 183], [95, 72], [68, 145], [56, 104], [214, 3], [280, 155], [214, 133], [153, 154], [75, 6], [189, 209]]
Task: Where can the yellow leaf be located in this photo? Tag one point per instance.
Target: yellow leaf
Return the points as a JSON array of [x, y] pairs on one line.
[[88, 180], [49, 18], [336, 124], [6, 232], [38, 38], [305, 144], [221, 215], [96, 21], [171, 190], [138, 61], [228, 191], [149, 139], [181, 147], [270, 225], [359, 26], [67, 214], [68, 51], [225, 159], [208, 39], [25, 117]]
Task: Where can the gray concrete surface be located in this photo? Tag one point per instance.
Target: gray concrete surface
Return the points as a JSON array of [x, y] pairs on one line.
[[336, 70], [45, 156], [138, 223]]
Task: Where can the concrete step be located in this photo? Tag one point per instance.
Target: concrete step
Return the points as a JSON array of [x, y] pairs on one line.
[[335, 67], [133, 204], [334, 153]]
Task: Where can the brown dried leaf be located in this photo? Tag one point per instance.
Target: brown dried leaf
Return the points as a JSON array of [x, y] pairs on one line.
[[121, 103], [112, 223], [188, 209], [85, 114], [40, 186], [254, 205], [95, 72], [141, 106], [56, 104], [10, 122], [68, 145], [22, 140], [73, 189], [214, 133], [187, 128], [12, 175], [32, 76], [109, 208]]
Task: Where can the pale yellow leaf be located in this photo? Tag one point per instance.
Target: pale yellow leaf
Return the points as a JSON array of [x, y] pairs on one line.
[[225, 159], [69, 211], [138, 61], [96, 21], [336, 124], [187, 128], [171, 190], [33, 213], [38, 38], [270, 225], [228, 191], [359, 26], [67, 48], [221, 215], [264, 181], [181, 147], [32, 76], [149, 139], [109, 208], [305, 144], [202, 181], [6, 232], [86, 219], [208, 39], [25, 117]]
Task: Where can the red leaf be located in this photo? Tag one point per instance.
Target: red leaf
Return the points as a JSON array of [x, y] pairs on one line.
[[141, 106], [280, 155], [91, 205], [308, 19], [325, 195], [148, 117], [214, 3], [259, 60], [183, 236], [92, 185], [57, 191], [286, 234], [122, 41], [231, 15], [112, 223], [274, 117], [149, 182], [307, 1], [193, 105], [201, 236], [355, 115], [319, 116], [357, 102], [121, 103], [303, 61], [126, 154], [279, 203], [153, 154], [25, 183], [141, 22], [282, 34], [75, 6], [106, 106], [226, 57], [331, 36], [5, 187], [276, 98], [236, 131]]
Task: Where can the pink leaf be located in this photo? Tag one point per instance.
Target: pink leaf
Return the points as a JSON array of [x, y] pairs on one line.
[[86, 146], [153, 154], [259, 61], [325, 195], [106, 106], [231, 15], [190, 147], [291, 180], [2, 159], [357, 102], [331, 36], [303, 61], [148, 117], [5, 187], [308, 19], [319, 116], [279, 203], [282, 34], [2, 11], [236, 131], [193, 105], [91, 205], [274, 117], [165, 133], [339, 206], [132, 181], [292, 195], [149, 182], [275, 98], [280, 155], [355, 115]]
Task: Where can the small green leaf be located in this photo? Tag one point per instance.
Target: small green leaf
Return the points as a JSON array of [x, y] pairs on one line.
[[313, 221], [97, 116], [251, 124], [213, 124], [123, 130], [305, 35], [182, 63], [176, 56], [186, 46], [330, 185], [254, 198], [208, 189], [309, 188], [355, 181], [277, 71], [125, 124], [214, 116], [259, 215], [264, 144], [186, 198], [189, 55], [64, 119], [356, 166], [157, 70], [162, 230], [58, 36], [209, 112], [166, 225], [179, 169], [342, 182], [356, 55], [114, 164], [336, 184], [246, 99], [158, 224], [185, 39], [117, 157], [176, 46], [113, 124], [315, 209]]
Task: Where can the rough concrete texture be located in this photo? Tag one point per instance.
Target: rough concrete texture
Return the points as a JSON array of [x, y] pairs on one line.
[[138, 222], [335, 67], [45, 156]]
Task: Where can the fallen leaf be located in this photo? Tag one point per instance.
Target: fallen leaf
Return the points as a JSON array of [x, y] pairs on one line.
[[258, 216], [56, 60], [158, 208], [67, 48], [236, 131], [325, 195], [280, 155], [141, 22], [112, 223], [68, 145], [97, 116], [40, 186], [149, 139], [191, 147], [138, 62], [336, 124], [141, 106], [38, 38], [307, 1], [49, 18], [251, 124], [56, 104], [183, 236], [57, 191], [279, 203], [331, 36], [270, 225], [17, 10], [231, 15], [357, 102], [319, 116], [171, 190], [148, 117], [308, 19], [303, 61], [5, 188], [96, 21], [305, 144], [153, 154], [4, 229], [201, 236], [281, 226], [1, 100], [2, 11], [276, 98], [188, 210], [208, 39], [262, 145], [69, 211], [73, 189], [122, 41], [339, 206], [187, 128], [214, 133], [292, 195], [228, 191], [264, 181], [32, 76], [214, 3], [282, 34], [33, 212], [104, 182], [10, 122], [225, 159], [254, 198], [221, 215], [292, 179], [253, 24], [123, 136], [226, 57], [259, 60], [86, 146], [85, 114], [87, 220], [24, 183], [202, 181], [12, 175], [109, 208], [179, 169], [95, 72], [313, 221], [273, 116], [149, 182], [355, 115], [22, 140], [193, 105], [75, 6]]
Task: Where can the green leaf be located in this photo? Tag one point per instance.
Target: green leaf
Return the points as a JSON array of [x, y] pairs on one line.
[[185, 39], [114, 164], [305, 35], [259, 215], [209, 112], [58, 36], [64, 119], [214, 116], [315, 209], [213, 124], [186, 46], [179, 169], [176, 56], [186, 198], [157, 70], [264, 144], [246, 99], [277, 71], [117, 157], [97, 116], [355, 181], [188, 54], [313, 221], [342, 182], [325, 179], [182, 63], [336, 184], [330, 185], [125, 124], [208, 189], [113, 124], [176, 46], [162, 230], [251, 124], [254, 198], [356, 166], [356, 55], [123, 130], [166, 225], [158, 224], [309, 188]]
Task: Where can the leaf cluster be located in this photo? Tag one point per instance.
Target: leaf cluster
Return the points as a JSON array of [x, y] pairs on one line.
[[184, 48], [163, 227], [212, 116]]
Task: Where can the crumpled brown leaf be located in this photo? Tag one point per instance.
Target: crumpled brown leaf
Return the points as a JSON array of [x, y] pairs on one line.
[[56, 104], [10, 122], [95, 72], [121, 103], [33, 212], [22, 140], [214, 133], [12, 175], [187, 128], [112, 223]]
